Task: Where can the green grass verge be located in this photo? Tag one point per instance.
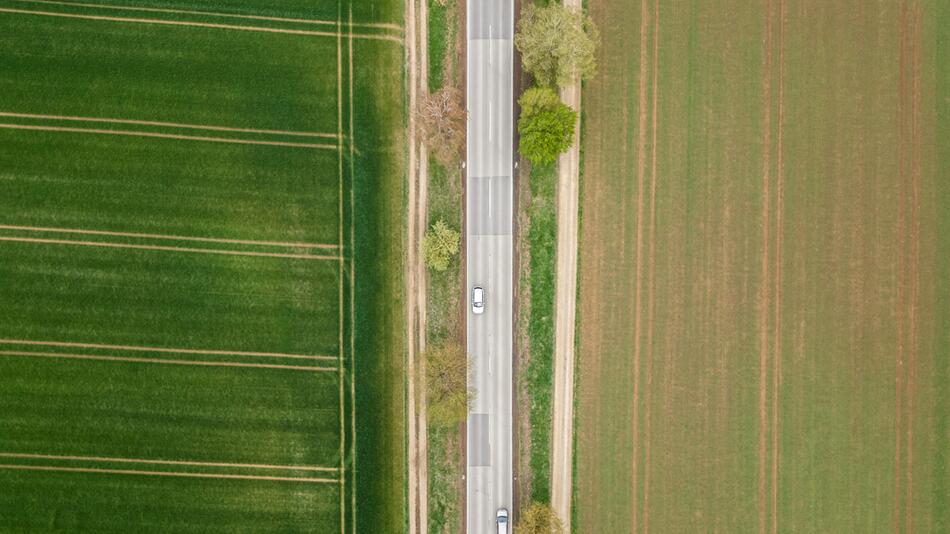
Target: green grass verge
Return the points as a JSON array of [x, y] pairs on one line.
[[538, 376], [444, 324], [439, 35]]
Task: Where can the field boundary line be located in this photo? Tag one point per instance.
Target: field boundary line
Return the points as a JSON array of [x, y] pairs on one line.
[[779, 222], [166, 248], [31, 456], [378, 25], [352, 279], [162, 361], [131, 133], [163, 123], [168, 237], [651, 276], [641, 168], [213, 25], [135, 348], [183, 474], [763, 302], [339, 138]]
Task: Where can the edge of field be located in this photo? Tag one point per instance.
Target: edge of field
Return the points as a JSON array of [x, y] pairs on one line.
[[378, 216]]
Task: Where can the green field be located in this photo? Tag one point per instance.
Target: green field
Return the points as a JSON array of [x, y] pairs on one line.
[[763, 269], [200, 266]]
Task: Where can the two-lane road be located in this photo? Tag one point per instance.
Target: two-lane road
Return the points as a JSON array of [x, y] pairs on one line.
[[490, 247]]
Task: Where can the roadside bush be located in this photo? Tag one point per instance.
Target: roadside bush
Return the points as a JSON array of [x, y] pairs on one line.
[[440, 245], [539, 519]]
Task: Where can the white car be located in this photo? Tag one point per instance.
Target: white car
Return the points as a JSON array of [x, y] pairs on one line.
[[501, 519], [478, 300]]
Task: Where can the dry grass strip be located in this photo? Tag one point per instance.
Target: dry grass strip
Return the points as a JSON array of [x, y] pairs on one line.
[[196, 24], [134, 348], [165, 124], [164, 361], [164, 135], [166, 236], [166, 473], [160, 462], [168, 249], [380, 25]]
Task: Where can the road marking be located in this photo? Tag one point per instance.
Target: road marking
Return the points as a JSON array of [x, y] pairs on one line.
[[162, 123], [163, 361], [134, 348], [489, 197], [161, 462], [131, 133], [195, 24], [165, 473], [167, 248], [164, 236], [379, 25]]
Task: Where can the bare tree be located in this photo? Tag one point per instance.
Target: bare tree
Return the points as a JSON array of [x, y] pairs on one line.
[[442, 124], [447, 383]]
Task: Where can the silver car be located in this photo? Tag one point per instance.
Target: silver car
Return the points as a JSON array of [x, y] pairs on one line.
[[501, 519], [478, 300]]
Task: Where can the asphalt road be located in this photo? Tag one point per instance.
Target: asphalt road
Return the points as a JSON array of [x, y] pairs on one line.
[[489, 236]]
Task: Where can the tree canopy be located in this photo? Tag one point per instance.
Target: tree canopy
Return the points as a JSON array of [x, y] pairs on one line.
[[557, 43], [546, 126], [539, 519], [447, 383], [442, 124], [440, 245]]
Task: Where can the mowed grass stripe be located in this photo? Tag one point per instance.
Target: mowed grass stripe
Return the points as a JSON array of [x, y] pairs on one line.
[[164, 349], [30, 456], [167, 473], [208, 414], [211, 25], [381, 25], [165, 361], [164, 124], [166, 237], [112, 183], [34, 500], [136, 298], [77, 67], [100, 131]]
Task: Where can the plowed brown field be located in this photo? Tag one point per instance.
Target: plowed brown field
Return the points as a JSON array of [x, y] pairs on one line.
[[764, 265]]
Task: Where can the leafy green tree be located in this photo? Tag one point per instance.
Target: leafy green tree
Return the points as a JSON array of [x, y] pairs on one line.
[[546, 126], [440, 245], [557, 43], [539, 519], [447, 390]]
